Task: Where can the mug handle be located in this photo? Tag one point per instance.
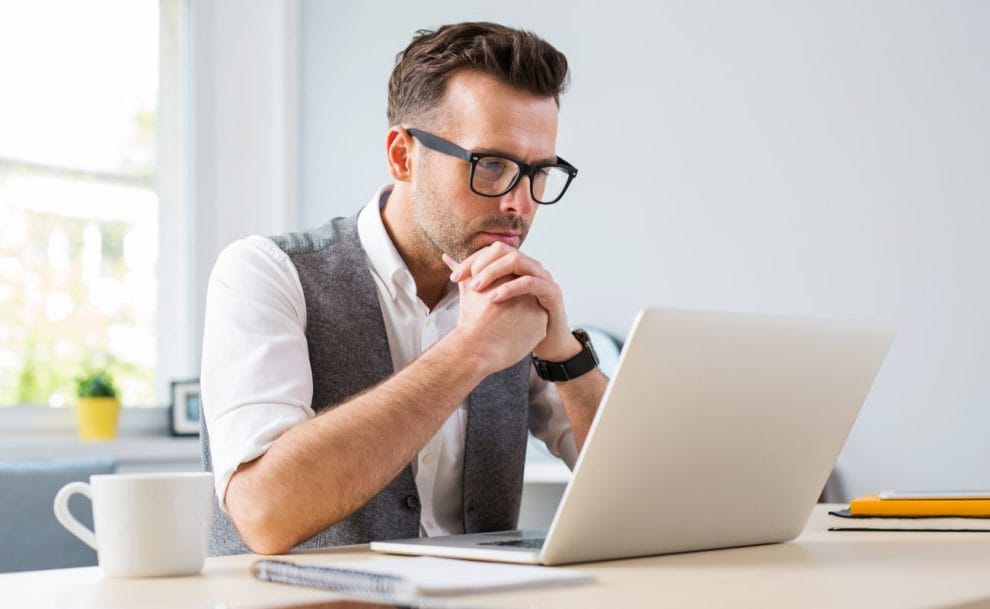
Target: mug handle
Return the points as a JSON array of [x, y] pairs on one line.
[[65, 517]]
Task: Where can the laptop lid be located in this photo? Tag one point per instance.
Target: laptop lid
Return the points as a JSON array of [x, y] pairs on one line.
[[717, 430]]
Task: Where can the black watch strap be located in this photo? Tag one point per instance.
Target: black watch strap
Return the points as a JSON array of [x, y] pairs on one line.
[[583, 362]]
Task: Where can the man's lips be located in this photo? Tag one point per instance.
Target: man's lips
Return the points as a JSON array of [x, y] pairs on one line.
[[512, 239]]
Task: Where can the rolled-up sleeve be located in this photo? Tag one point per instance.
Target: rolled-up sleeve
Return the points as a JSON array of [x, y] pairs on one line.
[[548, 420], [255, 379]]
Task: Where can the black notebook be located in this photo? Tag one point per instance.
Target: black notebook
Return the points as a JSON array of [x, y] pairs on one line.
[[410, 577]]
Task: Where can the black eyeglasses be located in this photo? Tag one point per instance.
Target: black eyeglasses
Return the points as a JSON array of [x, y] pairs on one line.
[[493, 175]]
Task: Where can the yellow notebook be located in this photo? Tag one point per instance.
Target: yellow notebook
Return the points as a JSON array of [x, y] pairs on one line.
[[873, 505]]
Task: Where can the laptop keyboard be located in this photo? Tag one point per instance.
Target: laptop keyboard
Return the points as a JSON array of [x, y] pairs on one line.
[[531, 542]]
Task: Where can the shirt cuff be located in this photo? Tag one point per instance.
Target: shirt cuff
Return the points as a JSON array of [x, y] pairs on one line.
[[236, 437]]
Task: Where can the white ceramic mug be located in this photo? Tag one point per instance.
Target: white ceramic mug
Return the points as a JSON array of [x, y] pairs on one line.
[[146, 525]]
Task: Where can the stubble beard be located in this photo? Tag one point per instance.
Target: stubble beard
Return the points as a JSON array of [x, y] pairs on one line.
[[441, 236]]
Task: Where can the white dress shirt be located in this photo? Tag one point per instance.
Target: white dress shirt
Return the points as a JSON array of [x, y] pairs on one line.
[[256, 380]]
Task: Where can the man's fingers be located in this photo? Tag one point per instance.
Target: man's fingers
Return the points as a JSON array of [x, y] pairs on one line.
[[484, 257], [479, 260], [453, 264], [463, 268], [493, 262], [546, 292], [518, 265]]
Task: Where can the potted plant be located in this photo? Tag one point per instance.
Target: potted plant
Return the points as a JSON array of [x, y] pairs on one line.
[[98, 408]]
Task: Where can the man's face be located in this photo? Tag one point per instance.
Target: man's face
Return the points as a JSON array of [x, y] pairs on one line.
[[484, 116]]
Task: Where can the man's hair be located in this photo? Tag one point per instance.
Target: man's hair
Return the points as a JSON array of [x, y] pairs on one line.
[[517, 58]]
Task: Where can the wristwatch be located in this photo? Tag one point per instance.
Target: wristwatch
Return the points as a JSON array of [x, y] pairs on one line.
[[581, 363]]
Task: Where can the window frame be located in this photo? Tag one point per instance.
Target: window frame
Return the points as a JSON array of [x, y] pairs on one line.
[[206, 100]]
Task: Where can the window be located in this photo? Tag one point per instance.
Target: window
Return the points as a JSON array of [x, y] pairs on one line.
[[78, 200]]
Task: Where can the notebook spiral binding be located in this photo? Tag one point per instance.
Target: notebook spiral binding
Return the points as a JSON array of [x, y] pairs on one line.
[[344, 581]]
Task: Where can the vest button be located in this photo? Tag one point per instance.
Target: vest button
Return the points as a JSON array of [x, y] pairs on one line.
[[412, 502]]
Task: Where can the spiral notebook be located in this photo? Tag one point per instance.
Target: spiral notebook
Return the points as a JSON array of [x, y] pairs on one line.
[[409, 577]]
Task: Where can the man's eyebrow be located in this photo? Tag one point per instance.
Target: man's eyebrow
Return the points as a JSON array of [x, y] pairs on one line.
[[504, 154]]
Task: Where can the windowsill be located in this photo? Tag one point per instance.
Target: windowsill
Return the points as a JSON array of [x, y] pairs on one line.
[[46, 421], [125, 449], [546, 472], [144, 439], [542, 467]]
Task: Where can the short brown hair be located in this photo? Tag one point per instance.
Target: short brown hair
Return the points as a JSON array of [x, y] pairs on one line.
[[518, 58]]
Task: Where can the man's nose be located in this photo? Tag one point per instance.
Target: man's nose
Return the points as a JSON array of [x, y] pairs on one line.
[[519, 200]]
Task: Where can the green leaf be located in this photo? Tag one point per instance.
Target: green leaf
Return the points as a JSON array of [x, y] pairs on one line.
[[96, 384]]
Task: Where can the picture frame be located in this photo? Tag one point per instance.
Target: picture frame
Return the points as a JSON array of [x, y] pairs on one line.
[[185, 408]]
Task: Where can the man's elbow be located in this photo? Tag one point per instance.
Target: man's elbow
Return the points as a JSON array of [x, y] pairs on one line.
[[266, 543], [272, 519], [261, 522], [260, 526]]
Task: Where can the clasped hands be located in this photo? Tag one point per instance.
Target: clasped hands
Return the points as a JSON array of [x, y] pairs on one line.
[[510, 299]]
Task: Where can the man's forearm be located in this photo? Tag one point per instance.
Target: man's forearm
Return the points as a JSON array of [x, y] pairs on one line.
[[581, 398], [319, 472]]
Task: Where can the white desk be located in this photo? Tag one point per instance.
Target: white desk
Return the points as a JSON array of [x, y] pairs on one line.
[[819, 569]]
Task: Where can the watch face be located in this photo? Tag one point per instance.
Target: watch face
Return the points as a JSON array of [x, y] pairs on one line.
[[606, 347]]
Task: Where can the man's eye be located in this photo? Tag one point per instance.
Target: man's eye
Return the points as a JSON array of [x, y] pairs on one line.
[[491, 168]]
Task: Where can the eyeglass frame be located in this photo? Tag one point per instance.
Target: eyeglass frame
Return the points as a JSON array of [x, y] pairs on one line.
[[437, 143]]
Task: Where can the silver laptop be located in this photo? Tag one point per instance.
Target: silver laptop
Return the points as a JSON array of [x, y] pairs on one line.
[[717, 430]]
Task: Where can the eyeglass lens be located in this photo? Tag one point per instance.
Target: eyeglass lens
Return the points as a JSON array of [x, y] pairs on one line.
[[495, 176]]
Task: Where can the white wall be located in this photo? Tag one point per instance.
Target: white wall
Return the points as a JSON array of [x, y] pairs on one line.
[[242, 153], [807, 158]]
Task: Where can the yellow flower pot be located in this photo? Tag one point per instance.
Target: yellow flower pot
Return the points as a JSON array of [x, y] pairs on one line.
[[97, 418]]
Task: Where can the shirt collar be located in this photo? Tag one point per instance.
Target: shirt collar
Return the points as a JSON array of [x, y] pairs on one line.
[[383, 258]]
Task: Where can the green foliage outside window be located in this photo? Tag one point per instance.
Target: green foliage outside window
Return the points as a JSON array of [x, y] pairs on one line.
[[84, 310]]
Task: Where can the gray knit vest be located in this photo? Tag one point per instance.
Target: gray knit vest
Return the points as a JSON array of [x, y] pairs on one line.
[[348, 353]]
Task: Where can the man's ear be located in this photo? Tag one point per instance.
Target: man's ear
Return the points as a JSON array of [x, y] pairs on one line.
[[398, 152]]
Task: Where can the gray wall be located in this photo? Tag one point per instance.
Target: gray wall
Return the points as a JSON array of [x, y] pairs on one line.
[[827, 159]]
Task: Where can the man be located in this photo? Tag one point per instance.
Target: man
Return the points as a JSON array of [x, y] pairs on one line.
[[372, 378]]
